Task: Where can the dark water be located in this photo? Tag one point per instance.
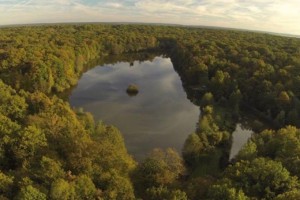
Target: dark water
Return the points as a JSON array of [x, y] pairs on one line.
[[159, 116]]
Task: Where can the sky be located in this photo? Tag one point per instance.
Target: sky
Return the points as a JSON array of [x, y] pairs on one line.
[[281, 16]]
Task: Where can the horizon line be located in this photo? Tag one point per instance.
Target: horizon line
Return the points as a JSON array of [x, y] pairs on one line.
[[150, 23]]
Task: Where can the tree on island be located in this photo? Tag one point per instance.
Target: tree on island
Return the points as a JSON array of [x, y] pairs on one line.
[[132, 90]]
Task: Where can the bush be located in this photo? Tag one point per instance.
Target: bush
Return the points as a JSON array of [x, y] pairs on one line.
[[132, 90]]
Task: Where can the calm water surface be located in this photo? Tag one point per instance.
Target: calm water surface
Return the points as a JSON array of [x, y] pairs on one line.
[[239, 138], [159, 116]]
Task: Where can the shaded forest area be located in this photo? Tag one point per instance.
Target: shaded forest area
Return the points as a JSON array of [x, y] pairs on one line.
[[51, 151]]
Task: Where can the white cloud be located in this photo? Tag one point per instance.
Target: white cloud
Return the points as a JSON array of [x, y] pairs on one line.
[[267, 15], [114, 5]]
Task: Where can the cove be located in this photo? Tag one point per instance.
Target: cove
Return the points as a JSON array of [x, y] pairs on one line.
[[239, 138], [159, 116]]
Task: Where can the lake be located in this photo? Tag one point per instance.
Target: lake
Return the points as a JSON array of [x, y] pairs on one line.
[[159, 116]]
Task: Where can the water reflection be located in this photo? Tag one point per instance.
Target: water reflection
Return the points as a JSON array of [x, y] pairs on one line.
[[239, 138], [159, 116]]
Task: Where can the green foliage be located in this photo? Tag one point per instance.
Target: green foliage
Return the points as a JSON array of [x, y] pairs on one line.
[[294, 194], [197, 188], [220, 62], [248, 152], [132, 90], [84, 187], [62, 190], [225, 192], [205, 141], [67, 156], [11, 105], [8, 129], [161, 168], [6, 183], [31, 193], [28, 142], [52, 58], [109, 144], [61, 151], [207, 99], [282, 145], [192, 148], [50, 170], [164, 193], [259, 178], [115, 186]]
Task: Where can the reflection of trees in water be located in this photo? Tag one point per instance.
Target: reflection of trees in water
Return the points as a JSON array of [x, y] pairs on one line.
[[132, 94], [112, 59], [130, 58]]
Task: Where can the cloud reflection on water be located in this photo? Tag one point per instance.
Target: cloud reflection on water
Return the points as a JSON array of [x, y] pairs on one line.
[[159, 116]]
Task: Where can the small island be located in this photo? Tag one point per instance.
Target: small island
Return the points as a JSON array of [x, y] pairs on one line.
[[132, 90]]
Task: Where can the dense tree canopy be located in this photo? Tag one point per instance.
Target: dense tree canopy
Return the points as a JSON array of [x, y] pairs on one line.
[[51, 151]]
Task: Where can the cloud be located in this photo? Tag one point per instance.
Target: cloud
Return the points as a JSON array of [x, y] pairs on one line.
[[114, 5], [267, 15]]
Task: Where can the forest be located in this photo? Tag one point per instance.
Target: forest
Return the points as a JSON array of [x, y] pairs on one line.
[[49, 150]]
